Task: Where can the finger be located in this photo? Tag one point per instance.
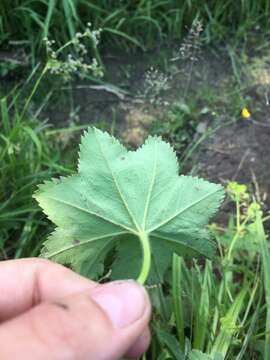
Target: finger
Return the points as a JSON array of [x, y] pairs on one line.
[[100, 326], [27, 282], [141, 345]]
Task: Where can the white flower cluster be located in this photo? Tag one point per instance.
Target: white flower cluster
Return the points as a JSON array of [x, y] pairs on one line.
[[93, 34], [155, 82], [191, 44], [49, 47], [74, 64]]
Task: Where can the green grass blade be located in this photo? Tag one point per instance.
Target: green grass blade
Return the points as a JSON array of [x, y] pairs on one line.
[[171, 343], [50, 13], [70, 17], [265, 255], [202, 315], [177, 298], [229, 324], [252, 326], [4, 115], [125, 36]]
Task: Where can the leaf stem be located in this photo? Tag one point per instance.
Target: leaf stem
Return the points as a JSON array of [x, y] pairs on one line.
[[146, 263]]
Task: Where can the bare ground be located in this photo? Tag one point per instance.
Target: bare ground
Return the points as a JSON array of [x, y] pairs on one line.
[[238, 152]]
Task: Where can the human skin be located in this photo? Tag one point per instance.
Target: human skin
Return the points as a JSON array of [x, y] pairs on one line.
[[49, 312]]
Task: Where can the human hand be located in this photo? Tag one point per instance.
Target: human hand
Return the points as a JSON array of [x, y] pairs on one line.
[[49, 312]]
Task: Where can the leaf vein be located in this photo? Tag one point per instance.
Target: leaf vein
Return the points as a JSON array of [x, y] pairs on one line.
[[186, 245], [181, 211], [94, 214], [150, 189], [117, 186], [85, 243]]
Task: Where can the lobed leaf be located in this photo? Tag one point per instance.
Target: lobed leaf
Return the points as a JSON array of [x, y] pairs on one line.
[[118, 195]]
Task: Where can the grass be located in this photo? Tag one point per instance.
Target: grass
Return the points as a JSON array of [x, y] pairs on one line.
[[30, 152], [128, 24], [265, 255], [218, 308]]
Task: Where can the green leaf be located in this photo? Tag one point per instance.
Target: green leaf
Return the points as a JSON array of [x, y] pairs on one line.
[[171, 343], [119, 196], [128, 260], [198, 355]]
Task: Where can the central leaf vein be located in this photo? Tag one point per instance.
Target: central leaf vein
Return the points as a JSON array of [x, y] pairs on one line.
[[150, 189], [117, 186]]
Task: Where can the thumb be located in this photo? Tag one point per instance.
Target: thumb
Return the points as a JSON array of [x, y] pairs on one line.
[[100, 324]]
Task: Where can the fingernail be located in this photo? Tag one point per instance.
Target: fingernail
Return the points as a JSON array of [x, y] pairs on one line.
[[123, 301]]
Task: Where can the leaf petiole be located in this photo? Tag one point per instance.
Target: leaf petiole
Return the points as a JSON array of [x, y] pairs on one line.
[[146, 264]]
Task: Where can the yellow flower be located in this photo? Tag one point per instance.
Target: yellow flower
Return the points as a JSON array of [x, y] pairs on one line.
[[245, 113]]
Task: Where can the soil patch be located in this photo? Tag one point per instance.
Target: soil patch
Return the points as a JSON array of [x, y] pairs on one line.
[[130, 102], [239, 152]]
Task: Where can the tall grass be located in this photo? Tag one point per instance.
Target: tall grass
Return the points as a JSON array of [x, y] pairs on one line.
[[218, 309], [142, 24], [30, 152]]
